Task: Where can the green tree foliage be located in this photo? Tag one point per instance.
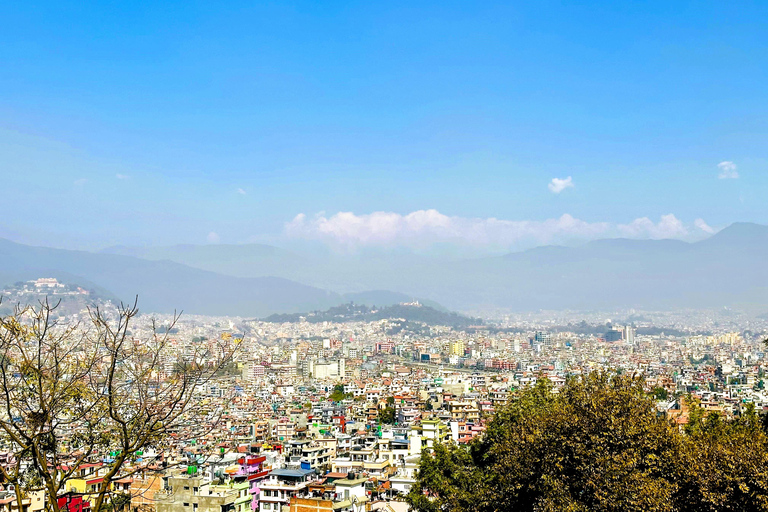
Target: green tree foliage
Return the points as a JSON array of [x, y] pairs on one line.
[[724, 463], [338, 393], [387, 415], [598, 445], [447, 481]]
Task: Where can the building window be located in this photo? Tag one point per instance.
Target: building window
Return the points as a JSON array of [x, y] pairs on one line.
[[186, 504]]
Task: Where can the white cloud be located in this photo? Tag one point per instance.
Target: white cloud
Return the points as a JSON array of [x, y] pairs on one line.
[[121, 176], [699, 223], [241, 192], [213, 237], [668, 227], [80, 182], [423, 228], [557, 185], [727, 170]]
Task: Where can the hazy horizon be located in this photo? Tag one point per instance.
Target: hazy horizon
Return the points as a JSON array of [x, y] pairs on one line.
[[440, 249]]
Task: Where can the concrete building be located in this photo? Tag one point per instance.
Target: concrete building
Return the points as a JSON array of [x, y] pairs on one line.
[[195, 494]]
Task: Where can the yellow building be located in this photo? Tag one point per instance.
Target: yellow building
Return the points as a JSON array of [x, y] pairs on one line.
[[457, 348]]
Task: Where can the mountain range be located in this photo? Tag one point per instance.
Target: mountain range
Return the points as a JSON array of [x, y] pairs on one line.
[[164, 286], [258, 280]]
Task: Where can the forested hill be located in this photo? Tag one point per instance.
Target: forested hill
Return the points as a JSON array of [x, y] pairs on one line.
[[352, 312]]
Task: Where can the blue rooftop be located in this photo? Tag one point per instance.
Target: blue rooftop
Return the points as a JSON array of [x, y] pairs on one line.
[[292, 473]]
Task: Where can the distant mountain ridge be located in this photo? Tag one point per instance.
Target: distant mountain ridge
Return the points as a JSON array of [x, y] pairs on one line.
[[164, 286], [221, 258], [725, 269]]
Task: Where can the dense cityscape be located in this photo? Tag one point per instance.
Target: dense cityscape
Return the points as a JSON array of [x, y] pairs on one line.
[[335, 415]]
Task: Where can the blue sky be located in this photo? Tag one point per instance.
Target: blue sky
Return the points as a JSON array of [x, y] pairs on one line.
[[160, 122]]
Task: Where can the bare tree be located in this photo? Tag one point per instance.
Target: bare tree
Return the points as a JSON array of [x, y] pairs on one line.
[[73, 393]]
